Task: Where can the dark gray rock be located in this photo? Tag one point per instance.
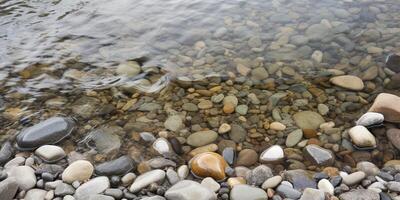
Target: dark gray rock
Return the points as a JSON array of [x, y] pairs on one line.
[[318, 155], [288, 192], [50, 131], [229, 155], [6, 152], [258, 175], [237, 134], [63, 189], [300, 179], [119, 166]]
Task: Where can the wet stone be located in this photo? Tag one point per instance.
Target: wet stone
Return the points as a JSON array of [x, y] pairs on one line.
[[229, 155], [162, 146], [80, 170], [209, 164], [319, 155], [247, 157], [294, 137], [388, 105], [6, 152], [361, 137], [300, 179], [202, 138], [272, 155], [258, 175], [370, 118], [174, 123], [238, 133], [393, 62], [92, 187], [146, 179], [360, 194], [119, 166], [104, 140], [308, 120], [50, 131], [393, 135]]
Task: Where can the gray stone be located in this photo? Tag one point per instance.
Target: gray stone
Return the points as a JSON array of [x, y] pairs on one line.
[[8, 188], [105, 139], [317, 32], [35, 194], [300, 179], [174, 123], [63, 189], [370, 169], [50, 131], [6, 152], [93, 186], [312, 194], [119, 166], [294, 137], [308, 120], [116, 193], [191, 107], [354, 178], [50, 153], [149, 107], [189, 190], [202, 138], [238, 133], [17, 161], [154, 198], [318, 155], [146, 179], [360, 194], [172, 176], [393, 186], [240, 192], [24, 175], [258, 175], [288, 192], [370, 118], [259, 73], [271, 182]]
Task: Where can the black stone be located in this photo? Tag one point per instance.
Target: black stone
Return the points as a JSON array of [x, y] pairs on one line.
[[336, 180], [393, 62], [320, 175], [176, 145], [115, 181], [50, 131], [119, 166], [6, 152], [384, 196]]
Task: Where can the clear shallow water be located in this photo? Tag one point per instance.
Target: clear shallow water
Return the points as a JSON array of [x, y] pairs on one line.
[[189, 38]]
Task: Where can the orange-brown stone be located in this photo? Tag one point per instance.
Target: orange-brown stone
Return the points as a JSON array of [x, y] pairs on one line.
[[331, 171], [209, 164], [228, 108], [309, 133], [235, 181]]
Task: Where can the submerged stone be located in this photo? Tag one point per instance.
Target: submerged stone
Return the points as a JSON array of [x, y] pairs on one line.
[[188, 190], [388, 105], [50, 131], [319, 155], [209, 164], [393, 62], [119, 166]]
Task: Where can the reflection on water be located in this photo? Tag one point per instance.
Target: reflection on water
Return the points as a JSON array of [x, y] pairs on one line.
[[42, 40]]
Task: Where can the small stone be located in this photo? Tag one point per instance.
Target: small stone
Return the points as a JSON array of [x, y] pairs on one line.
[[211, 184], [361, 137], [235, 181], [294, 137], [326, 186], [229, 155], [258, 175], [241, 192], [238, 133], [146, 179], [259, 73], [393, 134], [188, 190], [50, 153], [224, 128], [6, 152], [348, 82], [172, 176], [247, 157], [130, 68], [174, 123], [318, 155], [205, 104], [241, 109], [277, 126], [63, 189], [271, 182], [183, 171], [317, 56], [393, 62], [374, 50], [8, 188], [308, 120], [191, 107], [209, 164], [35, 194], [273, 154], [202, 138], [128, 178], [232, 100], [300, 179], [370, 169], [353, 178], [80, 170], [393, 186], [323, 109], [92, 187], [312, 194], [119, 166], [288, 192], [370, 118], [360, 194], [24, 176], [162, 146]]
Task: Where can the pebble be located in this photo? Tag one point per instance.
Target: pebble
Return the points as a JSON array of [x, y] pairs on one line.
[[119, 166], [326, 186], [130, 68], [15, 162], [50, 131], [348, 82], [24, 175], [188, 190], [294, 137], [354, 178], [146, 179], [323, 109], [393, 62], [318, 155], [202, 138], [360, 194], [235, 181], [300, 179], [361, 137], [224, 128], [388, 105], [63, 189], [370, 118], [273, 154], [288, 192], [162, 146], [308, 120], [240, 192], [174, 123], [393, 186], [93, 186], [271, 182], [6, 152], [370, 169], [8, 188], [317, 56], [80, 170], [172, 176], [50, 153], [209, 164], [241, 109], [183, 171], [238, 133], [229, 155], [35, 194], [312, 194], [247, 157], [393, 135], [277, 126], [231, 100], [128, 178], [211, 184], [258, 175]]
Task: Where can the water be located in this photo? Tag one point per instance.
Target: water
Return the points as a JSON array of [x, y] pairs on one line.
[[185, 38]]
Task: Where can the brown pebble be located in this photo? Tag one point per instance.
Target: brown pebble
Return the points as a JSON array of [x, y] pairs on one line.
[[331, 171], [229, 108], [247, 157], [143, 167], [309, 133], [209, 164]]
